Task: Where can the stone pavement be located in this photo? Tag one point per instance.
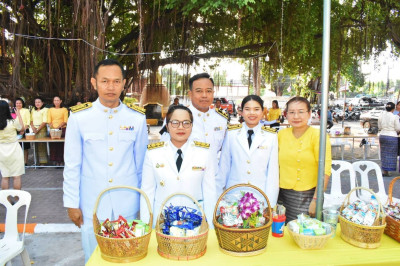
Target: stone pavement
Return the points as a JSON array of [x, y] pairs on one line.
[[56, 241]]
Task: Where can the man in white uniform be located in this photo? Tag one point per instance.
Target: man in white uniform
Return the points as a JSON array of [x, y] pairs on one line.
[[105, 146]]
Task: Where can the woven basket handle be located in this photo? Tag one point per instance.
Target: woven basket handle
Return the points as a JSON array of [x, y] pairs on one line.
[[380, 210], [236, 186], [390, 195], [127, 187], [173, 195]]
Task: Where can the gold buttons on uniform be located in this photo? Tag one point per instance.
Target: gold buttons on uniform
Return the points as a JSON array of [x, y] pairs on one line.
[[199, 115], [110, 133], [110, 117], [177, 178], [248, 183], [248, 161], [105, 110], [208, 114], [204, 119], [110, 164], [110, 180], [115, 111], [248, 172], [206, 134], [111, 149]]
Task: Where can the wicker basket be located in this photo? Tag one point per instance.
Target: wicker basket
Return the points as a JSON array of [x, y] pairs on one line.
[[359, 235], [181, 248], [30, 137], [122, 249], [309, 242], [392, 228], [55, 134], [242, 242]]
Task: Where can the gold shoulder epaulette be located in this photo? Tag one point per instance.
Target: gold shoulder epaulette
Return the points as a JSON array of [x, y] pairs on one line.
[[268, 129], [155, 145], [235, 126], [222, 113], [80, 107], [137, 108], [202, 144]]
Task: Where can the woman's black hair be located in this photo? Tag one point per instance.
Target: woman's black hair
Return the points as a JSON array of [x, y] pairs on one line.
[[173, 108], [253, 98], [299, 99], [38, 98], [277, 104], [19, 99], [5, 114], [389, 106]]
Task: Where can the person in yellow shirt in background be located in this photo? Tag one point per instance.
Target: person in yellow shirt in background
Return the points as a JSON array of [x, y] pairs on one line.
[[11, 156], [26, 119], [38, 125], [298, 161], [57, 118], [274, 114]]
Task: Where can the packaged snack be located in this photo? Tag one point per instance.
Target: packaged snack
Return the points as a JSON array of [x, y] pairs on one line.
[[181, 221], [121, 228], [176, 231]]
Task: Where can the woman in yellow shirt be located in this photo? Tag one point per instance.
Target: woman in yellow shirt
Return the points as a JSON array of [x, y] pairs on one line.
[[57, 118], [274, 113], [38, 125], [11, 156], [26, 119], [298, 161]]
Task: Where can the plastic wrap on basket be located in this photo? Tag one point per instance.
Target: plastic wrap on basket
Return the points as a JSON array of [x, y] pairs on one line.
[[248, 241], [359, 235], [122, 249], [181, 246]]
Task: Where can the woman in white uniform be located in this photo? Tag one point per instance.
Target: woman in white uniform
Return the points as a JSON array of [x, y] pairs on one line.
[[178, 165], [250, 152], [11, 155]]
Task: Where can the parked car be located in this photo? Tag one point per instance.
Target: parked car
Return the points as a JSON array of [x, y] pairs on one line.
[[369, 119]]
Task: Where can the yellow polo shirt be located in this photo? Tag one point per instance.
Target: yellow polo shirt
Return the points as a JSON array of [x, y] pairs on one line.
[[38, 117], [273, 114], [26, 116], [298, 159]]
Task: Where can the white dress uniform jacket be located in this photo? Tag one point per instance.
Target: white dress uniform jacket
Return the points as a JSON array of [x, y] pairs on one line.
[[161, 178], [104, 147], [257, 165]]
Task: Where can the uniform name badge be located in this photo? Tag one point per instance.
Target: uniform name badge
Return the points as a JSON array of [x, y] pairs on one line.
[[130, 128], [159, 165], [198, 168], [217, 128], [262, 147]]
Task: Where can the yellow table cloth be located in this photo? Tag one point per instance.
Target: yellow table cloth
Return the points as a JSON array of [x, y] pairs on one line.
[[280, 251]]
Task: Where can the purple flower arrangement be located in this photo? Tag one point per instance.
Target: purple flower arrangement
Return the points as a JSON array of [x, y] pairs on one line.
[[249, 209]]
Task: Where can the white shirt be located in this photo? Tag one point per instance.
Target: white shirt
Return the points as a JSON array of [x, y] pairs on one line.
[[162, 179], [389, 124], [257, 165], [103, 148]]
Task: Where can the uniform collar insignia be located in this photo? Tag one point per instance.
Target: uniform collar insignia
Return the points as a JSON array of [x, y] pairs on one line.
[[202, 144], [268, 129], [221, 113], [155, 145], [235, 126], [81, 107]]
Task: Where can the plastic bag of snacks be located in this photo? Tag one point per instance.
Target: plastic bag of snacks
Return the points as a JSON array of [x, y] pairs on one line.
[[181, 221], [305, 225], [121, 228], [361, 212], [241, 210], [393, 211]]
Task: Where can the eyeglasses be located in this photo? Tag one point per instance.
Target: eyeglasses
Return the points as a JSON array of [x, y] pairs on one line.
[[176, 123], [299, 113]]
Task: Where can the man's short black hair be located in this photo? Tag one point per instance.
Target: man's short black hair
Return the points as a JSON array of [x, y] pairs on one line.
[[108, 62], [218, 100], [199, 76]]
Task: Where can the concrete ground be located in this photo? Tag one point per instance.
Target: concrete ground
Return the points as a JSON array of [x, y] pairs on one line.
[[57, 242]]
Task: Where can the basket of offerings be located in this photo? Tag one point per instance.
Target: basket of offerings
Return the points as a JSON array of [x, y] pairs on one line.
[[122, 240], [242, 220], [181, 231], [310, 233], [362, 223], [392, 210]]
